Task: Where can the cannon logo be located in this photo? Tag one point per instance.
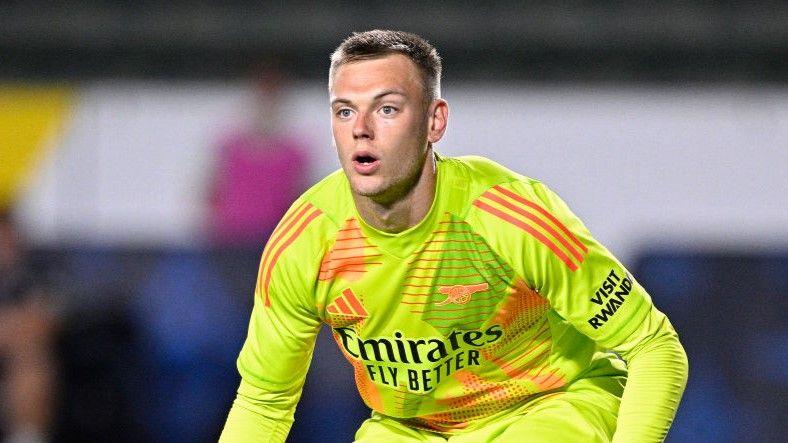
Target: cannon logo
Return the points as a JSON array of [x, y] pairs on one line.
[[460, 294]]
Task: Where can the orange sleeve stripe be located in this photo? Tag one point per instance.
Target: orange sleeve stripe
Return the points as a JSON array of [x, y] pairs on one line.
[[531, 204], [281, 226], [527, 228], [287, 222], [292, 214], [281, 229], [269, 270], [536, 220]]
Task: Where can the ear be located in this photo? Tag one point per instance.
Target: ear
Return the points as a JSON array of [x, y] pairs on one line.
[[438, 118]]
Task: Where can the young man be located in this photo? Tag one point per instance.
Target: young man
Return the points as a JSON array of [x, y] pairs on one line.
[[472, 303]]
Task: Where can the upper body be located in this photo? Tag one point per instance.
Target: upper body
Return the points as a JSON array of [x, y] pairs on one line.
[[456, 288]]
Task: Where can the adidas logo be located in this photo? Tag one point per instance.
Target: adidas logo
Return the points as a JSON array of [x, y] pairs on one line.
[[348, 305]]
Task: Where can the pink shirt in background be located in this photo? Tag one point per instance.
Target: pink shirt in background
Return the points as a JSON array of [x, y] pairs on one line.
[[257, 179]]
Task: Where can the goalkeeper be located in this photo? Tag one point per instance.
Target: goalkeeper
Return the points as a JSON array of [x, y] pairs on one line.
[[472, 304]]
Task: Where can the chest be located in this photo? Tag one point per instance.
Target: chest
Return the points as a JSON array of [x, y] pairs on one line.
[[452, 281]]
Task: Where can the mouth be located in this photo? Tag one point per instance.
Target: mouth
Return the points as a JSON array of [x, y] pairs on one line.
[[364, 157], [365, 163]]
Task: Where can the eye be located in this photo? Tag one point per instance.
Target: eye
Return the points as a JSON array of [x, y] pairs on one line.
[[344, 113], [388, 110]]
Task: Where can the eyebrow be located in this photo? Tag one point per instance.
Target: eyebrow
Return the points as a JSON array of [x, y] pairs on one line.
[[380, 95]]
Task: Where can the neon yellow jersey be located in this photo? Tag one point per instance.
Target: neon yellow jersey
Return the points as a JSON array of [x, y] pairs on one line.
[[498, 295]]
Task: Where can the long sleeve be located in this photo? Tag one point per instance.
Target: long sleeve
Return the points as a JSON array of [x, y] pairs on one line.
[[593, 292], [628, 324], [273, 365], [658, 371], [275, 357], [258, 415]]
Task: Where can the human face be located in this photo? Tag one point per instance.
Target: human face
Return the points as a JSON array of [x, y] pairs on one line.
[[380, 126]]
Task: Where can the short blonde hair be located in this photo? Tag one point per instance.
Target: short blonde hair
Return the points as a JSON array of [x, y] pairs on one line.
[[380, 43]]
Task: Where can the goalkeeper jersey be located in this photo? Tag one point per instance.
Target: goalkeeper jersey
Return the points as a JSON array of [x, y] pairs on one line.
[[498, 295]]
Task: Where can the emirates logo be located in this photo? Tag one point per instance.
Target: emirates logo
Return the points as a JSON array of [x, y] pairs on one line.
[[460, 294]]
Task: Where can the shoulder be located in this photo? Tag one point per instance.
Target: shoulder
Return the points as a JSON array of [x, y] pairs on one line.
[[484, 173], [528, 222], [478, 176], [328, 202], [483, 168], [314, 216], [291, 258], [497, 192], [504, 206], [332, 196]]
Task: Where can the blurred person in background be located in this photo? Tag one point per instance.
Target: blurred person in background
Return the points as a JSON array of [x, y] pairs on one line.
[[27, 333], [472, 303], [261, 167]]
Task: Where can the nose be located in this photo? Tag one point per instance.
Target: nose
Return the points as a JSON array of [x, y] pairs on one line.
[[362, 127]]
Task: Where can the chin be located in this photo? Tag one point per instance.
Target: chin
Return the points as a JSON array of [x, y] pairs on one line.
[[366, 191], [367, 186]]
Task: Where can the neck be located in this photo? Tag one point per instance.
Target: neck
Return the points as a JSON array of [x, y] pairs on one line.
[[405, 211]]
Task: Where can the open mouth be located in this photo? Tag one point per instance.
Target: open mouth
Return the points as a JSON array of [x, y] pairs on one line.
[[365, 163], [364, 158]]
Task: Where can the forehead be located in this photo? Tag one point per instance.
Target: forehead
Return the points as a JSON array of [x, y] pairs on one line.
[[394, 71]]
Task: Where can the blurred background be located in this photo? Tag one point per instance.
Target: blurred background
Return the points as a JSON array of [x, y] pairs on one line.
[[147, 149]]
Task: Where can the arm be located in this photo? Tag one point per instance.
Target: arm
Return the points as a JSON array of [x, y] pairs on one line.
[[658, 370], [273, 365], [637, 331], [593, 292], [257, 412], [284, 324]]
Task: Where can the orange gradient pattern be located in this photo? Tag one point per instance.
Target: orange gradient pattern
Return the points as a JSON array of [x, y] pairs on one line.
[[350, 256]]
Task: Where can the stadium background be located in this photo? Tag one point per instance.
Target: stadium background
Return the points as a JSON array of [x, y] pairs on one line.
[[663, 124]]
